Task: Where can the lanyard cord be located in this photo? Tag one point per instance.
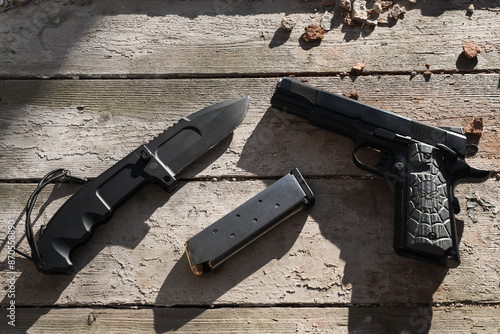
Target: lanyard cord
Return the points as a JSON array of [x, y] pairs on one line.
[[50, 177]]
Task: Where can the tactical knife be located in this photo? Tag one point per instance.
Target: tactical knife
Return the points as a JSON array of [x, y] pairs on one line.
[[158, 161]]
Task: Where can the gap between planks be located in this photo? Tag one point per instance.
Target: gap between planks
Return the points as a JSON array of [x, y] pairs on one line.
[[148, 76]]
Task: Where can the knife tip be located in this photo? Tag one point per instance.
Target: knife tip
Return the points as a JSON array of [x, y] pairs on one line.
[[243, 103], [243, 99]]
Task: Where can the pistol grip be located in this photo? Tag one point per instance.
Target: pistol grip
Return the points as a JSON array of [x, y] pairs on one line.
[[426, 205]]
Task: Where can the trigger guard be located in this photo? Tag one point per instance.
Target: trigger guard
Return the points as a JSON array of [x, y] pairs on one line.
[[382, 166], [455, 205]]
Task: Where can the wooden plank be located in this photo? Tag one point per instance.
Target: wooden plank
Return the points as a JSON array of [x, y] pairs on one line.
[[401, 319], [340, 252], [197, 38], [86, 126], [328, 270]]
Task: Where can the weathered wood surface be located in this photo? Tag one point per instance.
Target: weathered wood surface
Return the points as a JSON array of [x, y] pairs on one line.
[[312, 259], [329, 320], [86, 125], [196, 38], [328, 270]]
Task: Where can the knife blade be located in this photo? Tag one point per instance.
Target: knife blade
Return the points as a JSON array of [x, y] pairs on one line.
[[158, 161]]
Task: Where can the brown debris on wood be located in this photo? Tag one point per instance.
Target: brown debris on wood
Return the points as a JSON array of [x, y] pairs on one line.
[[397, 11], [370, 13], [475, 127], [358, 68], [472, 50], [313, 33], [345, 4], [352, 95], [359, 12], [348, 21]]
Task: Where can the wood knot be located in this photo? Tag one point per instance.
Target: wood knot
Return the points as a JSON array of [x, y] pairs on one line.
[[91, 318]]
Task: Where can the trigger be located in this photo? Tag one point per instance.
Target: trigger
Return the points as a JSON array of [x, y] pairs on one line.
[[456, 205]]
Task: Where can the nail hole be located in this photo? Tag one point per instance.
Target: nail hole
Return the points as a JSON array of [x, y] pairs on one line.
[[255, 220], [215, 231], [260, 201], [232, 235], [166, 179], [277, 205], [238, 215]]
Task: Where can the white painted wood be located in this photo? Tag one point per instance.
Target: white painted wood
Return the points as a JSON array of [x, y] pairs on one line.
[[86, 126], [196, 38], [340, 252], [443, 319], [329, 270]]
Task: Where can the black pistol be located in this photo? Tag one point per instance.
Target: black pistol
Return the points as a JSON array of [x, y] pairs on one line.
[[423, 162]]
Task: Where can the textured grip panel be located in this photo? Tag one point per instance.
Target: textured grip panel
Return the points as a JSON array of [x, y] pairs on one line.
[[428, 216]]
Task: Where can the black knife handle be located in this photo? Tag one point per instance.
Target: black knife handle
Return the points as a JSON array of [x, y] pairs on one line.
[[237, 229], [94, 204]]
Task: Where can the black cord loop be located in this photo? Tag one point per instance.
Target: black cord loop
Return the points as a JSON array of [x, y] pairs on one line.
[[47, 179]]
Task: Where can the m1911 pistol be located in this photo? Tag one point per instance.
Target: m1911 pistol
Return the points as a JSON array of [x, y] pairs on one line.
[[423, 162]]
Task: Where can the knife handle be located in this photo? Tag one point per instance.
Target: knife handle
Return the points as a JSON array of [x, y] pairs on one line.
[[94, 204]]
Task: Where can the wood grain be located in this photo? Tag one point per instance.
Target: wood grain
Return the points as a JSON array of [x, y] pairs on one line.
[[86, 126], [190, 39], [339, 252], [419, 319], [329, 270]]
